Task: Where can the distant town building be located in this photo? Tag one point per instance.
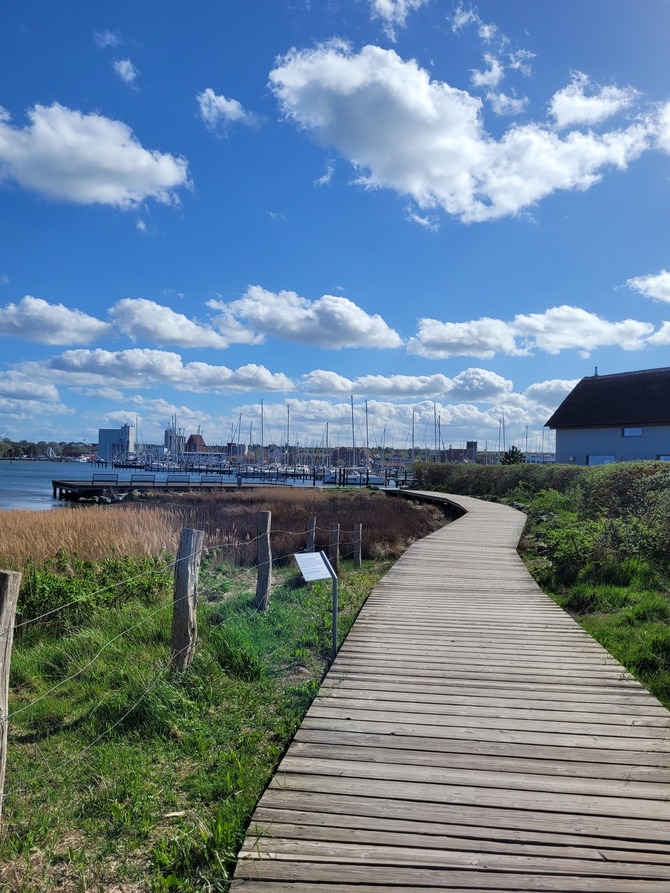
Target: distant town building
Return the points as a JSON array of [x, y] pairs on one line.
[[196, 444], [116, 444]]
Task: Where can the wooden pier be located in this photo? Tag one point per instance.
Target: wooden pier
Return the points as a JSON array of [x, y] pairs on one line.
[[110, 484], [469, 736]]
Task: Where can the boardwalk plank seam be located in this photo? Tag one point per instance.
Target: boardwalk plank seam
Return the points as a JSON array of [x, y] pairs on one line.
[[469, 736]]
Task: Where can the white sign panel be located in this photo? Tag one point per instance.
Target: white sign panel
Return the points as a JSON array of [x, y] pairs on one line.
[[312, 565]]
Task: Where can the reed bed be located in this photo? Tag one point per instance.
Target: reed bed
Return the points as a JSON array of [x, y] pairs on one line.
[[150, 526], [91, 533]]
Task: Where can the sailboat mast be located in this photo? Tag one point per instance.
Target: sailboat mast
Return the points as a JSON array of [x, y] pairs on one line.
[[262, 437], [353, 435]]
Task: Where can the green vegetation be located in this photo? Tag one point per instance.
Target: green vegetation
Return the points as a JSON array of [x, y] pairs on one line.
[[121, 775], [597, 541]]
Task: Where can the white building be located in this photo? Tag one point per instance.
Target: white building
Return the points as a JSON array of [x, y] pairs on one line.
[[116, 444]]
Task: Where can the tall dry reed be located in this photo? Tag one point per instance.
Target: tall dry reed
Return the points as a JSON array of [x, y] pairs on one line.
[[92, 533], [151, 526]]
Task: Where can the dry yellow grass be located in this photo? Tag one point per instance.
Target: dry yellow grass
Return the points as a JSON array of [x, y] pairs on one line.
[[151, 527], [92, 533]]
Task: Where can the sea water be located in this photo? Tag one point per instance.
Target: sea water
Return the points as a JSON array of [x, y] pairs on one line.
[[26, 484]]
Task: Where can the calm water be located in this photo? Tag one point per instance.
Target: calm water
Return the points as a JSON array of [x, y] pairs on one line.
[[27, 485]]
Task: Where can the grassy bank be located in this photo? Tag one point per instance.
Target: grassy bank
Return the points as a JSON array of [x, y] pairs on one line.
[[121, 776], [597, 541]]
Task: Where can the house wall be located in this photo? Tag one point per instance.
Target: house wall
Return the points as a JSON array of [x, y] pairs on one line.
[[574, 445]]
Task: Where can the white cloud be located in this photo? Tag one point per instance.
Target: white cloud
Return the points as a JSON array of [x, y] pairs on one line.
[[18, 387], [104, 39], [426, 139], [655, 285], [491, 76], [325, 178], [86, 159], [427, 221], [482, 338], [143, 368], [218, 113], [331, 321], [550, 393], [663, 127], [320, 381], [565, 327], [502, 104], [471, 384], [35, 320], [582, 104], [126, 71], [480, 385], [141, 319], [661, 338], [394, 13], [554, 330]]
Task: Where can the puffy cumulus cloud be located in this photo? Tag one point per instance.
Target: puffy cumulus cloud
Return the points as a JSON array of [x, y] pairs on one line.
[[423, 138], [142, 368], [126, 71], [582, 104], [660, 338], [655, 285], [218, 113], [403, 385], [394, 13], [86, 159], [35, 320], [478, 338], [139, 318], [480, 385], [320, 381], [330, 321], [550, 393], [554, 330], [566, 327]]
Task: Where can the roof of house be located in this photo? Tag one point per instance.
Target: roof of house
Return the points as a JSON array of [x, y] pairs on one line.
[[196, 444], [626, 398]]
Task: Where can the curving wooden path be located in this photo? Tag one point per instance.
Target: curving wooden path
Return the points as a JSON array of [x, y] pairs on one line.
[[469, 736]]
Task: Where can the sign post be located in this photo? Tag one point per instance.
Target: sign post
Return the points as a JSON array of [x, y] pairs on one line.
[[315, 566]]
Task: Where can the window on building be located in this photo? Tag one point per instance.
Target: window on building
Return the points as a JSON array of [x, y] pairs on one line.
[[600, 459], [632, 432]]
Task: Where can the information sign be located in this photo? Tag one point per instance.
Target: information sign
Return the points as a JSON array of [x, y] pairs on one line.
[[312, 565]]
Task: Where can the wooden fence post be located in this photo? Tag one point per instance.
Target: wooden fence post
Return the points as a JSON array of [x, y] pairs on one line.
[[358, 542], [10, 582], [311, 533], [184, 623], [334, 547], [264, 562]]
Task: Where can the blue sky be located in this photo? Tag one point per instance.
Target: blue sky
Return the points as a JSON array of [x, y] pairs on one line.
[[443, 209]]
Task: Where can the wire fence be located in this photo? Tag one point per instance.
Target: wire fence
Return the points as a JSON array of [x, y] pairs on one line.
[[241, 575]]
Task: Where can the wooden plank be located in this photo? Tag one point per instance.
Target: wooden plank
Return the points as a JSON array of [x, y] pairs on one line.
[[469, 736]]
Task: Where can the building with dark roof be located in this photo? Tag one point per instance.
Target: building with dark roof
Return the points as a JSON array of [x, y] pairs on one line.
[[196, 444], [615, 418]]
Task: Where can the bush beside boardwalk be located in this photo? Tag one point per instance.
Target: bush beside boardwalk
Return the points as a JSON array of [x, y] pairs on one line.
[[121, 776], [598, 541]]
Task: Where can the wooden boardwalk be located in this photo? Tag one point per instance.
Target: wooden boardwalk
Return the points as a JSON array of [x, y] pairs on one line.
[[469, 736]]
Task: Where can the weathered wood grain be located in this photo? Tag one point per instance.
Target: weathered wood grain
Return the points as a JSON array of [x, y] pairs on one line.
[[469, 736]]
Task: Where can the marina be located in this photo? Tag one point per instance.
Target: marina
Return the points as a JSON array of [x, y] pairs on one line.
[[40, 485]]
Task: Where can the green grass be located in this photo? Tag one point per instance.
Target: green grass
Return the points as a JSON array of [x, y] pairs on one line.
[[120, 775]]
